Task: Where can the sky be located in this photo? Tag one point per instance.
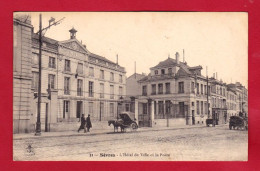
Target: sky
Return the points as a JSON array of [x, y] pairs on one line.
[[218, 40]]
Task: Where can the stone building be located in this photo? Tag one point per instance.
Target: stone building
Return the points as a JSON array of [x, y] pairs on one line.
[[173, 94], [22, 74], [242, 97], [218, 100], [79, 81], [231, 102]]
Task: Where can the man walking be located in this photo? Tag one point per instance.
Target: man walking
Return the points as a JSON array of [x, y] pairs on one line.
[[89, 125], [83, 123]]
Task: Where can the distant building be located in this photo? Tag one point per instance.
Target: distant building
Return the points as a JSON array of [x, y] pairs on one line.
[[133, 88], [173, 94], [231, 102], [242, 98], [218, 100]]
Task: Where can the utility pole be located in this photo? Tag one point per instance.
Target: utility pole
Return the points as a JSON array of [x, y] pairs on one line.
[[38, 123], [52, 20], [207, 91]]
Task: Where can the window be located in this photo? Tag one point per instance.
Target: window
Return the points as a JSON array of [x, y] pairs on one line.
[[162, 71], [79, 87], [220, 91], [168, 88], [160, 107], [144, 92], [67, 65], [181, 87], [167, 106], [52, 63], [120, 91], [111, 76], [35, 59], [205, 89], [67, 85], [144, 108], [111, 109], [156, 72], [91, 71], [169, 70], [160, 88], [127, 107], [120, 78], [51, 81], [90, 108], [102, 76], [80, 68], [224, 92], [198, 107], [111, 92], [198, 88], [201, 104], [201, 90], [206, 108], [90, 89], [192, 87], [153, 89], [101, 90], [35, 80], [66, 109], [192, 103]]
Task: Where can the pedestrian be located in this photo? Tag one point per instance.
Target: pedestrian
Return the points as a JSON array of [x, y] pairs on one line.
[[89, 125], [83, 123]]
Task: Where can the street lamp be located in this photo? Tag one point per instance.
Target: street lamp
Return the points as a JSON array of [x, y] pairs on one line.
[[149, 110], [119, 103], [40, 32]]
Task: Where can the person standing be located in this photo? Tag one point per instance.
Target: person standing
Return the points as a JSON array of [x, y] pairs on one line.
[[89, 125], [83, 123]]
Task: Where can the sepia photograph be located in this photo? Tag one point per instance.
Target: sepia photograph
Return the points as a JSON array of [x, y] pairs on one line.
[[130, 86]]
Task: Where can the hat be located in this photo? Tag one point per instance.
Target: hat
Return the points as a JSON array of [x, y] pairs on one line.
[[88, 114]]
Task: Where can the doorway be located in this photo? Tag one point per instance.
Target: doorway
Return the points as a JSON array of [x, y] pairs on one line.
[[79, 110], [193, 118], [66, 109]]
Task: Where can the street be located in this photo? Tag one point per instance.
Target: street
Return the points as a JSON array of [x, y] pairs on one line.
[[185, 144]]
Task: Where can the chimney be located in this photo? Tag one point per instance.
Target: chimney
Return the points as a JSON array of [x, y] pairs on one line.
[[85, 46], [177, 57], [214, 75]]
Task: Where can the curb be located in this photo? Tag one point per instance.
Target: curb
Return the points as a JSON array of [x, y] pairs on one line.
[[147, 129]]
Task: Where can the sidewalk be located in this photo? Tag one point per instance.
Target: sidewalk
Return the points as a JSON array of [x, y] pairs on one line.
[[97, 132]]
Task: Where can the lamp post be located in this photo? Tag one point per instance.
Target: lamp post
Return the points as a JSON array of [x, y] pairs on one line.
[[119, 103], [149, 110], [40, 32]]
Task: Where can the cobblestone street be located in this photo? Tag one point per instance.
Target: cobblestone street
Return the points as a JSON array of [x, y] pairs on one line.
[[189, 143]]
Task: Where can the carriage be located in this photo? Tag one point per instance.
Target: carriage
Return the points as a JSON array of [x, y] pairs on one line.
[[238, 122], [126, 120]]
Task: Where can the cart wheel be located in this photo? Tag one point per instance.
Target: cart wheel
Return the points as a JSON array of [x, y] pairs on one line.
[[134, 126]]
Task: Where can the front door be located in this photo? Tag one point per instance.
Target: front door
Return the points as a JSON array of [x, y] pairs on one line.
[[79, 110], [193, 118], [66, 109]]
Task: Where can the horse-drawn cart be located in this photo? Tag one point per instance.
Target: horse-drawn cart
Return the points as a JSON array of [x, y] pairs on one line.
[[125, 121]]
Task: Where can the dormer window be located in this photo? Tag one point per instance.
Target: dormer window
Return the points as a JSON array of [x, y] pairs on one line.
[[156, 72], [162, 71], [169, 70]]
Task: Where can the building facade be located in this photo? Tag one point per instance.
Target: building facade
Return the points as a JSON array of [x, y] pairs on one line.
[[22, 73], [173, 94], [74, 81], [218, 100]]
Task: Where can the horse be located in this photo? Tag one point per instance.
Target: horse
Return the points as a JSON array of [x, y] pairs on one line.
[[116, 124]]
